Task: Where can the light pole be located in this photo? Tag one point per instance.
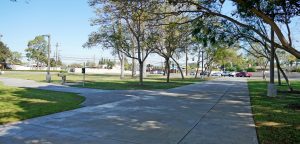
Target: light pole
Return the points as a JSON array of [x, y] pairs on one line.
[[48, 76]]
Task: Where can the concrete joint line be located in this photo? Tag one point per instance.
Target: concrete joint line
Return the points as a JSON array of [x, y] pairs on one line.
[[203, 116]]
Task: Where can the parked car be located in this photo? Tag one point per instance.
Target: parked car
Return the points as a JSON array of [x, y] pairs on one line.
[[204, 73], [192, 73], [232, 74], [226, 73], [160, 72], [216, 74], [157, 72], [243, 74]]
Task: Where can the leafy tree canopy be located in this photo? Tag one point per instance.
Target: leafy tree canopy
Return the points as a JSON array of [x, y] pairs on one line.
[[4, 52], [37, 50]]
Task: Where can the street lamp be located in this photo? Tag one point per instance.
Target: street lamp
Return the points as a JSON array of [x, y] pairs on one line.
[[48, 76]]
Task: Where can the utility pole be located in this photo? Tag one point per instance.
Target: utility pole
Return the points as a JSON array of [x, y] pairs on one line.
[[56, 54], [48, 76]]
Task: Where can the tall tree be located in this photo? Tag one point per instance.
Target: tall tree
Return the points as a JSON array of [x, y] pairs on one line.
[[37, 50], [211, 33], [171, 37], [134, 17], [5, 53], [273, 13], [16, 58]]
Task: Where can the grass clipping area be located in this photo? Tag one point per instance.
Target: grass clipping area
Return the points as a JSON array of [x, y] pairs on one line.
[[276, 122], [22, 103]]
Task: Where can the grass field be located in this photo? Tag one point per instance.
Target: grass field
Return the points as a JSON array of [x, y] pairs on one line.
[[276, 122], [111, 82], [21, 103]]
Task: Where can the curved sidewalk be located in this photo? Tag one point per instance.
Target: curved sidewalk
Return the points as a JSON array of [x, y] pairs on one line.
[[215, 111]]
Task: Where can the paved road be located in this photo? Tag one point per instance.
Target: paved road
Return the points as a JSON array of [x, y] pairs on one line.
[[210, 112]]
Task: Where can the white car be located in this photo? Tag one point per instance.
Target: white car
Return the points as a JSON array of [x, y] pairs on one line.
[[226, 73], [216, 74], [233, 74], [229, 74]]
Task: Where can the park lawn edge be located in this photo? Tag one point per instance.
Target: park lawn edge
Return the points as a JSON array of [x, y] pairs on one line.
[[111, 82], [274, 122], [20, 104]]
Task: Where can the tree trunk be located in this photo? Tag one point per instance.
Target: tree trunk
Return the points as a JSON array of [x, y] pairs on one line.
[[165, 69], [197, 70], [141, 72], [144, 64], [286, 79], [37, 66], [186, 62], [272, 90], [141, 62], [264, 70], [122, 66], [133, 70], [284, 75], [198, 63], [181, 72], [272, 58], [168, 69], [202, 64], [278, 72]]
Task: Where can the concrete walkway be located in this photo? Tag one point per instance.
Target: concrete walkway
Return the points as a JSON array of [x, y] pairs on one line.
[[210, 112]]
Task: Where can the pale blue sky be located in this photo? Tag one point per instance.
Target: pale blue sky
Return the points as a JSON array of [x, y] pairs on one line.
[[68, 22]]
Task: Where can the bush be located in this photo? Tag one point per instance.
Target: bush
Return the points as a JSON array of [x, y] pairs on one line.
[[295, 70], [231, 69], [239, 69], [251, 69]]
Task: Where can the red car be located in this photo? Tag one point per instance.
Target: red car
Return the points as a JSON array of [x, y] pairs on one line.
[[243, 74]]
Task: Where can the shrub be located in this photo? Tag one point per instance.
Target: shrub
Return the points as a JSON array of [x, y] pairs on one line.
[[295, 70], [231, 69], [239, 69], [251, 69]]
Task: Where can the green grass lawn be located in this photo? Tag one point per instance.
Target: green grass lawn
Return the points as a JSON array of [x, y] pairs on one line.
[[22, 103], [110, 82], [276, 123]]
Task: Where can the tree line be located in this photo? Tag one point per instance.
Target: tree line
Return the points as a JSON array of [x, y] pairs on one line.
[[172, 27]]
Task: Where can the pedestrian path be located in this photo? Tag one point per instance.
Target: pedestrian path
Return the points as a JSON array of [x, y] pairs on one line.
[[215, 111]]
